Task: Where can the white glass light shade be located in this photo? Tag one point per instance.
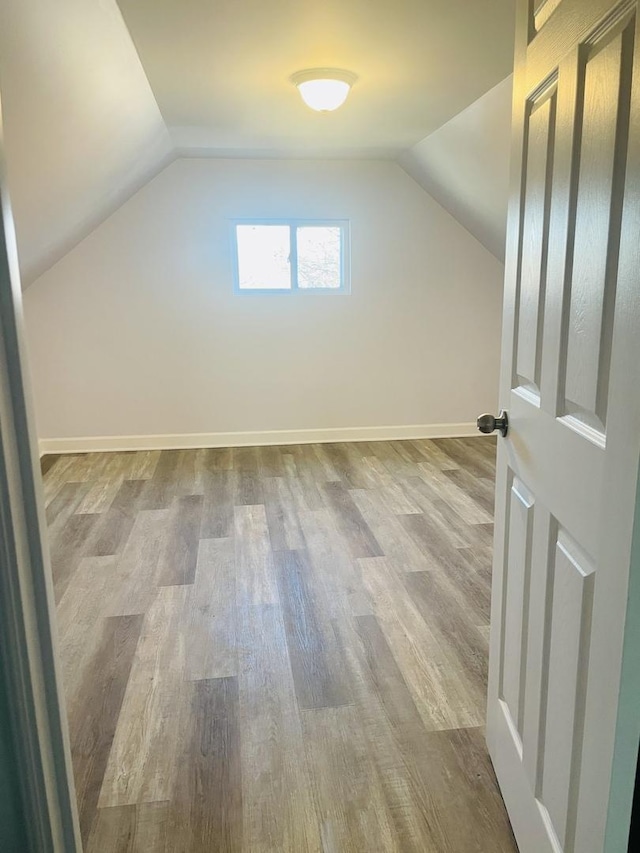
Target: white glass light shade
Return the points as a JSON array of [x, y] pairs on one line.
[[324, 89]]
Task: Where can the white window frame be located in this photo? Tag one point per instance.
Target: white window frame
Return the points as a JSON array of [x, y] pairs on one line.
[[293, 225]]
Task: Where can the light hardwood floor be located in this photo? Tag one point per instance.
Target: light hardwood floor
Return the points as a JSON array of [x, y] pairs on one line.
[[278, 649]]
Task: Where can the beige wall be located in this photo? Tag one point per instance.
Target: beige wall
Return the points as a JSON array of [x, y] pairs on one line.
[[137, 330]]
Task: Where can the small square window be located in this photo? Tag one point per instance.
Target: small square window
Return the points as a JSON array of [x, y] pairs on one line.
[[291, 256]]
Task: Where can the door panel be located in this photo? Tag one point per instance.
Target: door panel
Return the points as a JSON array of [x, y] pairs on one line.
[[516, 606], [607, 79], [539, 165], [567, 471], [565, 663]]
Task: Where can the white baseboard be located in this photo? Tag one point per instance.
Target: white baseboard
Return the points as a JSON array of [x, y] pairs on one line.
[[247, 439]]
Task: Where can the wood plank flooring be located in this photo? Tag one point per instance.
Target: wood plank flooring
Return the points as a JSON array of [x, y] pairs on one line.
[[278, 649]]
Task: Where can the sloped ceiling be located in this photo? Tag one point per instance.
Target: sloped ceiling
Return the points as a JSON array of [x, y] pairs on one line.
[[82, 129], [220, 70], [464, 165]]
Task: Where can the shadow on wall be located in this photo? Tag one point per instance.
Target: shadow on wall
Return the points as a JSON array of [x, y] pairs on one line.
[[464, 165], [82, 129]]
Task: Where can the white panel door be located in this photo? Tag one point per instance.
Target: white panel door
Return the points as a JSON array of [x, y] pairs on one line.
[[567, 469]]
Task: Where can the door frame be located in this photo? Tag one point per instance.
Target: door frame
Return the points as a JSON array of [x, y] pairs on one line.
[[625, 770], [39, 729]]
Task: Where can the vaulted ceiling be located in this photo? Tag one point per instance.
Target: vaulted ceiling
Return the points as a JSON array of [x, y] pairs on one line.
[[220, 70], [98, 95], [464, 165], [82, 129]]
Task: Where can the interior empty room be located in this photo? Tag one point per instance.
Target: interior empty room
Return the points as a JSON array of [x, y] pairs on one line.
[[319, 426]]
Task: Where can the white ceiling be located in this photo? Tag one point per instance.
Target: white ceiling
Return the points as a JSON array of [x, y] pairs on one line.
[[464, 165], [219, 70], [82, 130]]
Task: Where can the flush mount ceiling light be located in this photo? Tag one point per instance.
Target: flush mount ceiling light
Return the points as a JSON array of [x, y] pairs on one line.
[[324, 89]]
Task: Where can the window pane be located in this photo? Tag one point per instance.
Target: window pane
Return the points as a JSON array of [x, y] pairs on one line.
[[263, 257], [318, 256]]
